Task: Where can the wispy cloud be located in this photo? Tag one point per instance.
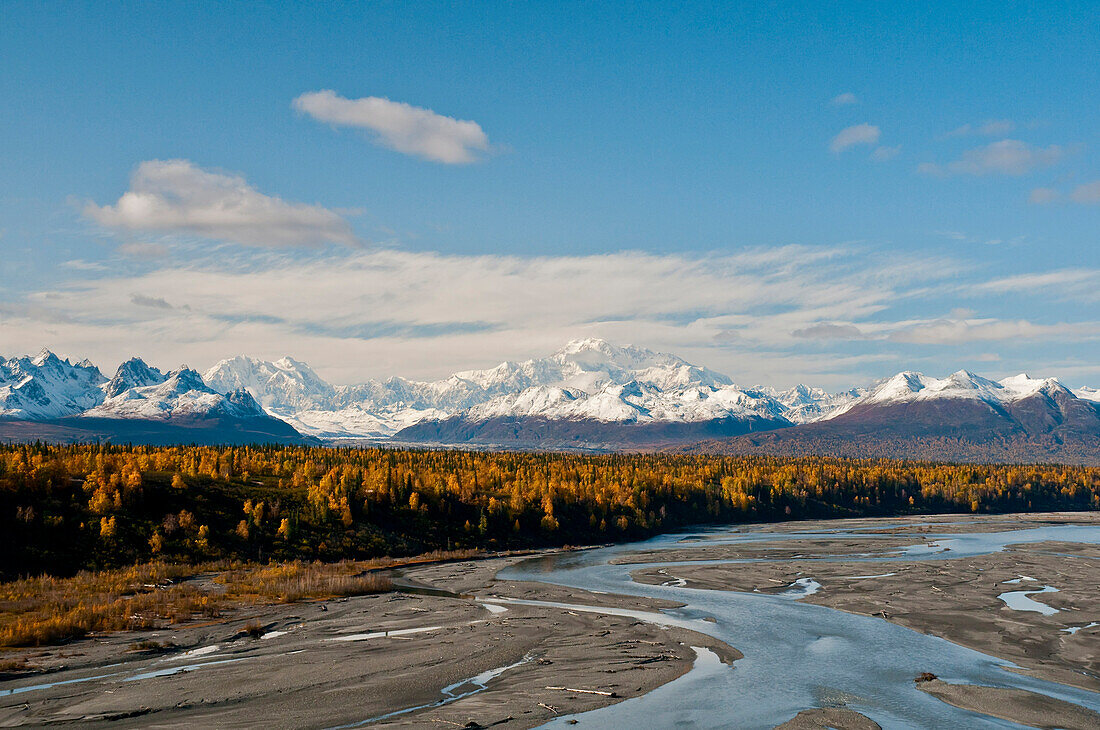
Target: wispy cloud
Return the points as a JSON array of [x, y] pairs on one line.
[[858, 134], [882, 154], [177, 197], [145, 301], [829, 331], [961, 332], [82, 265], [1007, 157], [845, 99], [1085, 194], [965, 238], [143, 250], [960, 328], [1088, 194], [402, 127], [1043, 196], [759, 314], [379, 312], [988, 128], [1081, 284]]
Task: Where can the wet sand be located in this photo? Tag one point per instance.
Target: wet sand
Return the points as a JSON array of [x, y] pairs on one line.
[[1026, 708], [829, 718], [326, 664]]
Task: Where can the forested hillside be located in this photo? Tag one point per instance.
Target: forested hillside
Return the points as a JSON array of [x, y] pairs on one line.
[[64, 508]]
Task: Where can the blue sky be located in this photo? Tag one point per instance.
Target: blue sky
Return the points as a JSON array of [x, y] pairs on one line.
[[819, 192]]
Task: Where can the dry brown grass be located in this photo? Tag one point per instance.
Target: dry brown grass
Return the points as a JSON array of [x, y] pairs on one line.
[[294, 581], [13, 666], [254, 629], [148, 646], [435, 556], [297, 580], [48, 610]]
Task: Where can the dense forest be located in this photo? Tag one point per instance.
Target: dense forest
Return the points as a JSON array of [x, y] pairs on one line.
[[67, 508]]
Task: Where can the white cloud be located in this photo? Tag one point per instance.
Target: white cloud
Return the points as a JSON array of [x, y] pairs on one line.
[[965, 238], [996, 127], [960, 328], [1078, 284], [835, 316], [844, 99], [882, 154], [371, 313], [829, 331], [82, 265], [855, 135], [177, 197], [1007, 157], [1089, 193], [988, 128], [964, 131], [399, 126], [1043, 196], [143, 250], [965, 331]]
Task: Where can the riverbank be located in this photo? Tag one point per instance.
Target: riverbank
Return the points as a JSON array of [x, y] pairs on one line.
[[461, 642], [332, 663]]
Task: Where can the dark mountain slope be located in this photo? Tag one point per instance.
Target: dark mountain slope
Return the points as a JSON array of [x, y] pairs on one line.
[[1045, 427]]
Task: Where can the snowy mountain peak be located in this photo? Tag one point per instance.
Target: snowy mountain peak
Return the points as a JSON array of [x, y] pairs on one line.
[[902, 385], [180, 393], [44, 356], [286, 362], [243, 402], [912, 386], [593, 354], [806, 404], [185, 377], [134, 373], [1023, 385], [47, 387], [593, 344], [801, 395], [284, 386]]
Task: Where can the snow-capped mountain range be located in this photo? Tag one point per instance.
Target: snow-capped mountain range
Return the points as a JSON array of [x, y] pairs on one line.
[[910, 387], [47, 387], [962, 417], [587, 381]]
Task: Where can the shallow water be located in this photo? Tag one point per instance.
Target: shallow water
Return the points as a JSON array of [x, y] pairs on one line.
[[149, 674], [385, 634], [802, 587], [451, 693], [706, 671], [1022, 601], [797, 655], [1074, 629]]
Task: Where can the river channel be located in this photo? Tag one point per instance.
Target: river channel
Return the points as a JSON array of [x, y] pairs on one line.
[[798, 655]]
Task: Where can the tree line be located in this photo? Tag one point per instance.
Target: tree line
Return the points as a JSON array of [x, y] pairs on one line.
[[65, 508]]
